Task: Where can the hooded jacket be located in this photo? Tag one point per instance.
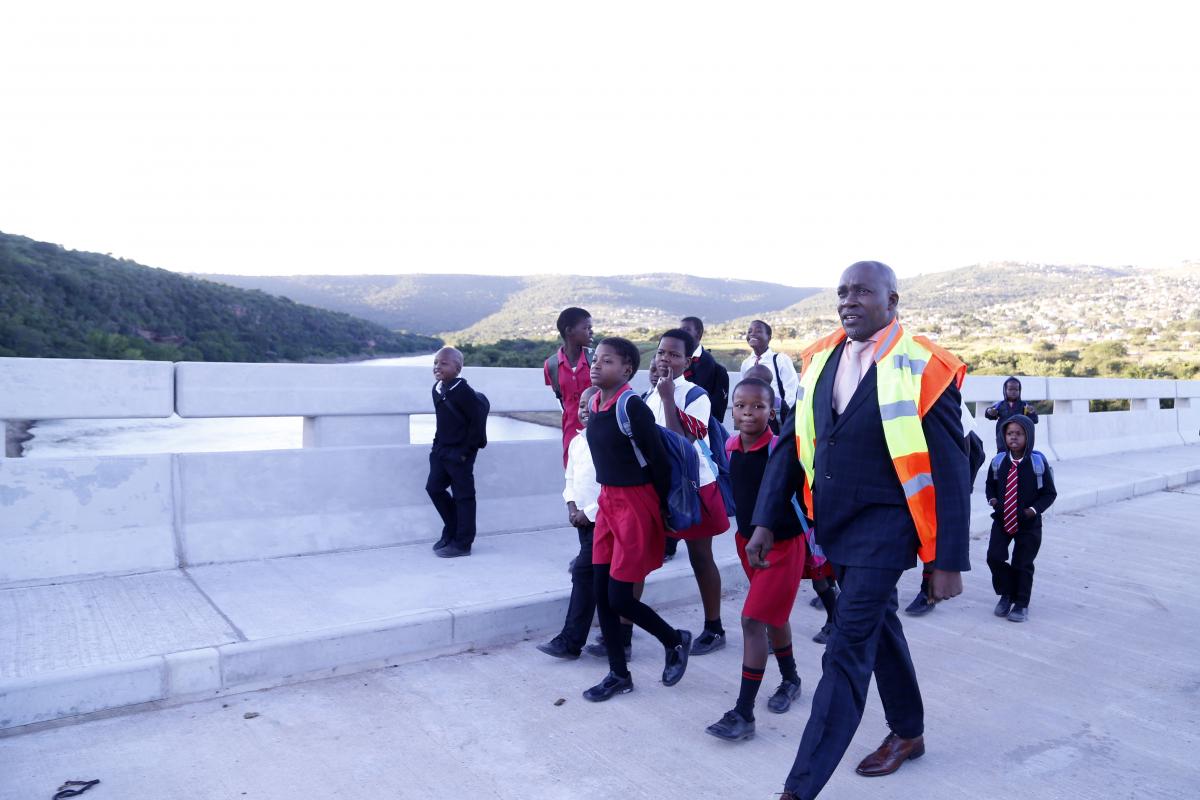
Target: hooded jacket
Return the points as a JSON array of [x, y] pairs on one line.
[[1008, 410], [1028, 493]]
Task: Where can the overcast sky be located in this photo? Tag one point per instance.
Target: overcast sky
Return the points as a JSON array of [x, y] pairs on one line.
[[767, 140]]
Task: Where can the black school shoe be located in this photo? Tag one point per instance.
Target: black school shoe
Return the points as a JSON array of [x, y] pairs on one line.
[[732, 727], [611, 686], [1018, 614], [557, 647], [920, 606], [677, 658], [822, 636], [815, 602], [598, 650], [781, 701], [1003, 606], [453, 550], [440, 543], [707, 642]]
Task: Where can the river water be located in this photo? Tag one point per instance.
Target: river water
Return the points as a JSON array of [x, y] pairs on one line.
[[92, 437]]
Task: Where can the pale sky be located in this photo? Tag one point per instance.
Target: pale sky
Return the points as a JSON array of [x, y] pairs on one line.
[[771, 140]]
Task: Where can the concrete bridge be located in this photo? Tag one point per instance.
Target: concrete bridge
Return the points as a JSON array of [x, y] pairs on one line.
[[143, 581]]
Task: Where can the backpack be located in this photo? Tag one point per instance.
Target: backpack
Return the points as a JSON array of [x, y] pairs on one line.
[[683, 495], [1040, 467], [551, 365], [487, 409], [713, 449]]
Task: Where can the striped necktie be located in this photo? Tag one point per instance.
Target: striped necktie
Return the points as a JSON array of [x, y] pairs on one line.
[[1010, 499]]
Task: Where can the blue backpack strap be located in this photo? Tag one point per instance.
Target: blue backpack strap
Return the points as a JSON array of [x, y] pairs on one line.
[[624, 424], [996, 462], [1039, 467]]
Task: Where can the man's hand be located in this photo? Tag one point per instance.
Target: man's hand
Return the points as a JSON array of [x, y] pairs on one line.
[[761, 542], [943, 585]]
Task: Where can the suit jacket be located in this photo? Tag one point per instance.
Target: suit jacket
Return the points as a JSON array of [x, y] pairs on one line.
[[714, 379], [862, 518]]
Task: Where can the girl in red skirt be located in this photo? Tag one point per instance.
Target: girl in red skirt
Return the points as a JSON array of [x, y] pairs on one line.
[[629, 537], [671, 409]]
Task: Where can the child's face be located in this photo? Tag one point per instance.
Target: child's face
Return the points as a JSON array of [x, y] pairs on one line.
[[757, 337], [671, 357], [580, 333], [752, 410], [609, 370], [1014, 437], [1012, 391], [691, 328], [445, 365], [584, 412]]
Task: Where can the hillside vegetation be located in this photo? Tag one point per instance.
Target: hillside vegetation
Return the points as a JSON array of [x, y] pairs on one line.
[[58, 303]]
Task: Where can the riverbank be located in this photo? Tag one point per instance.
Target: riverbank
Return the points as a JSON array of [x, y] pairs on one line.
[[16, 434]]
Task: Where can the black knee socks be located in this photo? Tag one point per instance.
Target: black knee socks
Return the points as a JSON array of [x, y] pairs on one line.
[[787, 663], [622, 601], [751, 681], [828, 597]]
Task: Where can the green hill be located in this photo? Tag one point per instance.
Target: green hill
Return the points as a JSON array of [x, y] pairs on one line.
[[58, 303]]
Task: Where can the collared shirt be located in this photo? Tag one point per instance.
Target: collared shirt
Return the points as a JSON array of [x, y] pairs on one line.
[[866, 357], [693, 416], [581, 487], [785, 376], [734, 443]]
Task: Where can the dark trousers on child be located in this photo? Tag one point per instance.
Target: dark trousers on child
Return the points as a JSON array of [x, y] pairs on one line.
[[867, 638], [582, 607], [1013, 579], [453, 467]]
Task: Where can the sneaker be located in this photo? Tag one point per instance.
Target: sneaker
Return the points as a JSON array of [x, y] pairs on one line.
[[1018, 614], [732, 727], [598, 650], [609, 687], [822, 636], [919, 606], [557, 647], [781, 701], [453, 551], [707, 642], [677, 658], [1003, 606]]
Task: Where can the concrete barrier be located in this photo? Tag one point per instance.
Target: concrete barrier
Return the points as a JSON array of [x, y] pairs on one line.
[[64, 388], [1187, 410]]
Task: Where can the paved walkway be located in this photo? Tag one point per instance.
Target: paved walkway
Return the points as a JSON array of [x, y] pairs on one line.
[[1096, 696]]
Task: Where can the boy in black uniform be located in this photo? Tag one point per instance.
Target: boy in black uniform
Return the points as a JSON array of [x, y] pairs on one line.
[[461, 431], [1019, 496], [705, 372]]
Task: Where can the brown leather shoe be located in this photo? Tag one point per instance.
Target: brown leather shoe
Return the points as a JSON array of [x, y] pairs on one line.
[[891, 755]]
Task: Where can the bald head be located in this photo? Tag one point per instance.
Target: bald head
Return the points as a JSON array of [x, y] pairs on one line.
[[867, 298], [447, 363]]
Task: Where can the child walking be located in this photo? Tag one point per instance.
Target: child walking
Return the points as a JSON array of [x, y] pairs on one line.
[[627, 544], [461, 431], [772, 591], [1006, 409], [1019, 488], [567, 372], [672, 410]]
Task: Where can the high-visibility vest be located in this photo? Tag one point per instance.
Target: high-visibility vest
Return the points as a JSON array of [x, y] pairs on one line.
[[911, 374]]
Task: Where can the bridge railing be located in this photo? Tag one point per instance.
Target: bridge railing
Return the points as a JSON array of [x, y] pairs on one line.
[[357, 483]]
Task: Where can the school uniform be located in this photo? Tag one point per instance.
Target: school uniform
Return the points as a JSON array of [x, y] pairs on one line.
[[705, 372], [787, 381], [573, 379], [1005, 411], [772, 590], [1015, 580], [461, 428], [581, 489], [694, 417]]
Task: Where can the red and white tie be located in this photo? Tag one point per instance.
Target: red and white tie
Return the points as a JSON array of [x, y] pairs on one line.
[[1010, 499]]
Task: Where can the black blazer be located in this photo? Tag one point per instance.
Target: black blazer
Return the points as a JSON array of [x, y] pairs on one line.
[[862, 518], [1028, 494], [714, 379]]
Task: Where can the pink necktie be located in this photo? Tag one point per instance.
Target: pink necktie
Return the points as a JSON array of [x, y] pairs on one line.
[[850, 375], [1010, 499]]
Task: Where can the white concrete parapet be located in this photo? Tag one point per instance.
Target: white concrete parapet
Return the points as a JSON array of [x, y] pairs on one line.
[[64, 388]]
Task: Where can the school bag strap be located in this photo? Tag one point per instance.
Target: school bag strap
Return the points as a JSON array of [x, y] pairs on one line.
[[1035, 458], [626, 426], [551, 366], [779, 379]]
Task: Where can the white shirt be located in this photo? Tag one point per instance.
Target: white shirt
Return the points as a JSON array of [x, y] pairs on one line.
[[785, 375], [699, 409], [581, 486]]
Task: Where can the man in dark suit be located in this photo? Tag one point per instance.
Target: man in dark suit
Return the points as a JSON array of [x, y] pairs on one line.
[[868, 521], [705, 372]]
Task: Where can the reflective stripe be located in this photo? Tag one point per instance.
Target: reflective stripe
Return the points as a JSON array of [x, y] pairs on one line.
[[917, 483], [914, 365], [900, 408]]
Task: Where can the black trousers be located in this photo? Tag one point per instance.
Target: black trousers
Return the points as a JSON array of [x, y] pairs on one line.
[[453, 468], [582, 607], [1016, 579], [867, 638]]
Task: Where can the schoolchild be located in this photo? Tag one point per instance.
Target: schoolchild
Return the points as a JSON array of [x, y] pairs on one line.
[[461, 430], [783, 372], [672, 410], [704, 371], [764, 374], [567, 372], [1010, 406], [1019, 488], [773, 590], [627, 544]]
